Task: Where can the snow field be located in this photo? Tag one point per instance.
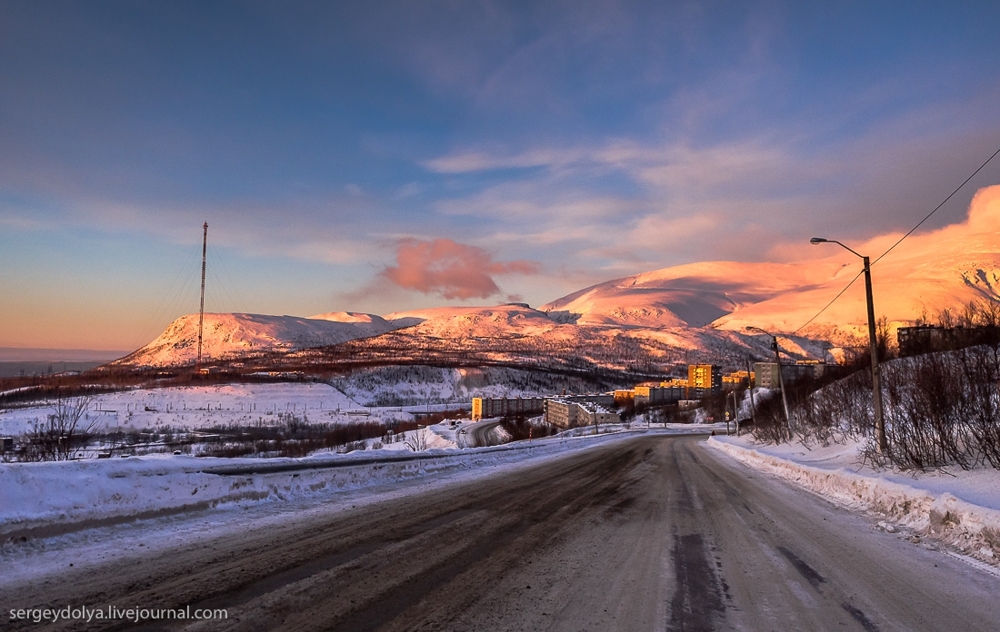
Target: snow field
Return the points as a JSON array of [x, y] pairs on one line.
[[961, 510], [195, 407]]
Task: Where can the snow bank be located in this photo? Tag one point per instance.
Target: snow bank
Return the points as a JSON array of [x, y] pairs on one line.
[[922, 504]]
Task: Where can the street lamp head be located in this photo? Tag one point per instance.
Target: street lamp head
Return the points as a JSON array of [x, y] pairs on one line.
[[818, 240]]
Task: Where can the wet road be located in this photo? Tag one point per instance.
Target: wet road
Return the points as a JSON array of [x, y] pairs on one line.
[[650, 533]]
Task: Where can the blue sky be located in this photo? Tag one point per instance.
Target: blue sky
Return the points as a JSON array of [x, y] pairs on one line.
[[382, 156]]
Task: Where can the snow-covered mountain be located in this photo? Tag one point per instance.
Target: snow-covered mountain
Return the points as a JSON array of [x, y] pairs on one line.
[[946, 268], [666, 315], [692, 295], [227, 336]]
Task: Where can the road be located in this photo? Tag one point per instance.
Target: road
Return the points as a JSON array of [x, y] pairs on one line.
[[477, 435], [649, 533]]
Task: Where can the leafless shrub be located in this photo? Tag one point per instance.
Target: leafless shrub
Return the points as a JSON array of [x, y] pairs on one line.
[[770, 425], [61, 435], [940, 409], [982, 405], [922, 400], [417, 441], [838, 411]]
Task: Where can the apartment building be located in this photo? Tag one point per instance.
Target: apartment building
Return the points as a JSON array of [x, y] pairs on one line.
[[571, 414], [766, 373], [704, 379], [486, 407]]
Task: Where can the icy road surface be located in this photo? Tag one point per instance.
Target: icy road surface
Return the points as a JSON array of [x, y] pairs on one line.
[[644, 533]]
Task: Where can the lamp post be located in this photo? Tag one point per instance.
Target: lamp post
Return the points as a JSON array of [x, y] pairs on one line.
[[876, 383], [781, 379]]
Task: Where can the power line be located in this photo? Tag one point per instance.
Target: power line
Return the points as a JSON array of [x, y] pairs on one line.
[[856, 277], [900, 240], [938, 207], [239, 302]]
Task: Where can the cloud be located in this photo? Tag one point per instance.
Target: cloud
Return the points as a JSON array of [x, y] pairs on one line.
[[450, 269]]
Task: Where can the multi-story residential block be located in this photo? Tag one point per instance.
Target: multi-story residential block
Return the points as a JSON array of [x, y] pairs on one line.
[[767, 372], [928, 338], [486, 407], [704, 379], [737, 379], [571, 414]]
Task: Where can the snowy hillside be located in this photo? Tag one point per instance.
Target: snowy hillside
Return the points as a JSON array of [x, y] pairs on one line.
[[228, 336], [196, 407], [692, 295], [421, 385], [518, 336]]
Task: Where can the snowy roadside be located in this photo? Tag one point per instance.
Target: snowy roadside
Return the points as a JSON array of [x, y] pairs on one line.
[[139, 507], [48, 499], [960, 509], [42, 500]]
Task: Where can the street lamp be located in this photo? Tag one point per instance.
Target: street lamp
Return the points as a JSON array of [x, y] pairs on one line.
[[781, 379], [876, 383]]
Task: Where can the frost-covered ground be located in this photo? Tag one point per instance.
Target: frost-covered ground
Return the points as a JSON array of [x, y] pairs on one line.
[[194, 407], [382, 394], [959, 508]]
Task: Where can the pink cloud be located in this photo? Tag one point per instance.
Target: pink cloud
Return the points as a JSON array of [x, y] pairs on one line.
[[451, 269]]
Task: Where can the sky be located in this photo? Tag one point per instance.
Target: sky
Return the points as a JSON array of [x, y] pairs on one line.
[[384, 156]]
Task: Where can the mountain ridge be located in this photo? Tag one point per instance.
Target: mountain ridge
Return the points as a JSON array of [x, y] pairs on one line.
[[696, 307]]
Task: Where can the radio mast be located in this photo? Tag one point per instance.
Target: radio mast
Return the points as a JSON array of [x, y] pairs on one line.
[[201, 310]]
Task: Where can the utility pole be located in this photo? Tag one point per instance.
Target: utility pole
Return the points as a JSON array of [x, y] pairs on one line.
[[753, 406], [876, 378], [201, 310], [781, 379], [736, 414], [781, 384], [883, 444]]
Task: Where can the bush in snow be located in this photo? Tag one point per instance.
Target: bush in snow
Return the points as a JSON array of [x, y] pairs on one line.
[[417, 440], [66, 430], [940, 409]]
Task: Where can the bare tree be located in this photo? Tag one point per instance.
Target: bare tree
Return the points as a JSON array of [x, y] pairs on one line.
[[63, 432], [417, 440]]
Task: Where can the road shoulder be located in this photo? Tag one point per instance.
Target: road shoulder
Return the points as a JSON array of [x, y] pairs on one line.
[[911, 510]]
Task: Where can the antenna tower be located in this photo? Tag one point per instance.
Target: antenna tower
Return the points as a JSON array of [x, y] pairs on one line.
[[201, 310]]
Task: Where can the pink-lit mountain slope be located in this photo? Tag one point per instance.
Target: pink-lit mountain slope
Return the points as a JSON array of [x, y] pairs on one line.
[[692, 295], [227, 336], [518, 335], [945, 268]]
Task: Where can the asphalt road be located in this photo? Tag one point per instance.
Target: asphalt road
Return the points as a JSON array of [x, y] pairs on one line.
[[651, 533]]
